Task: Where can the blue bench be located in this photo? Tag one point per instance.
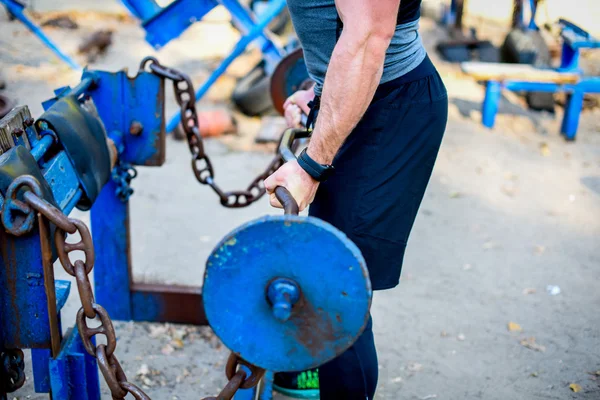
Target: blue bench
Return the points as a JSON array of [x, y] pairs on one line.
[[518, 77]]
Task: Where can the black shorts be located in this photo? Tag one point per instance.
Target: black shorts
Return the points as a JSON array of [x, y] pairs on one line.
[[383, 168]]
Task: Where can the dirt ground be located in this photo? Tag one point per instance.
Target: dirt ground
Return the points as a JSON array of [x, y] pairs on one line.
[[509, 213]]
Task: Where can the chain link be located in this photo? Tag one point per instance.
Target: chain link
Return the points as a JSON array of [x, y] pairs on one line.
[[11, 361], [201, 164], [12, 370], [122, 175]]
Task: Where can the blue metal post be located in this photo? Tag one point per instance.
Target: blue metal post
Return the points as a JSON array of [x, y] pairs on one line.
[[267, 386], [449, 14], [569, 58], [110, 227], [489, 108], [245, 23], [533, 9], [570, 121], [142, 9], [17, 10], [74, 372], [239, 48]]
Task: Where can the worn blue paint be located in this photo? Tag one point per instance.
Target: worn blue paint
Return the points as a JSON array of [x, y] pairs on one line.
[[326, 265], [41, 147], [40, 358], [74, 373], [121, 100], [60, 174], [40, 366], [22, 294], [16, 9], [110, 225]]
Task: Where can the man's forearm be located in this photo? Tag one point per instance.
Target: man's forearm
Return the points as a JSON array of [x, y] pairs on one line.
[[352, 77]]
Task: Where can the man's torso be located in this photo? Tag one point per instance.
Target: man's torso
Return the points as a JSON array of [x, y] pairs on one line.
[[316, 23]]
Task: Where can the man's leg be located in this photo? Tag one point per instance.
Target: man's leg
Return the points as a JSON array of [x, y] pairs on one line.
[[353, 374]]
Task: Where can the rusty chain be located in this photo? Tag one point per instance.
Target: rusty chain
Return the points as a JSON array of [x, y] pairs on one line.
[[12, 370], [201, 164], [12, 360]]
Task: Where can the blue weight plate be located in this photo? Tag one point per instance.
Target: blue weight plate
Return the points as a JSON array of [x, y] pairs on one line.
[[335, 292]]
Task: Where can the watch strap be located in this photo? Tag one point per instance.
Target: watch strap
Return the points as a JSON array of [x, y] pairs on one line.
[[317, 171]]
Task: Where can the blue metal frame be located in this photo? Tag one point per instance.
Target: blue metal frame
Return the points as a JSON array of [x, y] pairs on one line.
[[573, 108], [16, 9], [574, 38], [255, 31]]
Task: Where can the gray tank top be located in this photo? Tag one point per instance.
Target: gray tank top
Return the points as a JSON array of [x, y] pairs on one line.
[[316, 23]]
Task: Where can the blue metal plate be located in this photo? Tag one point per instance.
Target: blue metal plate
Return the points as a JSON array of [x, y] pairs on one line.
[[334, 284]]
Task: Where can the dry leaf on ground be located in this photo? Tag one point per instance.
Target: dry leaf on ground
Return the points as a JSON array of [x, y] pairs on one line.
[[514, 327], [575, 387]]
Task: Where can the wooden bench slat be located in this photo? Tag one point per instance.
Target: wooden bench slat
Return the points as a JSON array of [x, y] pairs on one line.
[[521, 72]]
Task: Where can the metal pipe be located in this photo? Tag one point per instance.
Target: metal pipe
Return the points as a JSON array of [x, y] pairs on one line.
[[73, 202], [144, 9], [290, 207], [85, 84], [17, 10], [42, 147]]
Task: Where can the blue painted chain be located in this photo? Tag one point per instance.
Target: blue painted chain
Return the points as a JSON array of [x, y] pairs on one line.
[[122, 175]]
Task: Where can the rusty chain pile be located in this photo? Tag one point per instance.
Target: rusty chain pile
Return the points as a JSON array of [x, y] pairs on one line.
[[201, 164], [12, 360]]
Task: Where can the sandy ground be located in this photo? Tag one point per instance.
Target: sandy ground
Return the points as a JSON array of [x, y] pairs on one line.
[[508, 212]]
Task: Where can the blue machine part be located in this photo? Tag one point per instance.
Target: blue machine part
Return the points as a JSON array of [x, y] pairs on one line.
[[327, 268], [73, 373], [134, 107]]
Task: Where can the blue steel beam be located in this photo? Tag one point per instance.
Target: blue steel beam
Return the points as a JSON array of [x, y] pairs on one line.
[[16, 9], [274, 8], [110, 224]]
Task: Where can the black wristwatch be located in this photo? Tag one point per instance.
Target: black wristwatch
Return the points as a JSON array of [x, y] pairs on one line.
[[319, 172]]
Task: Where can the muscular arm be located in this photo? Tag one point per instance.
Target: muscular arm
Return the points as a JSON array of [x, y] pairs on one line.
[[352, 77], [353, 73]]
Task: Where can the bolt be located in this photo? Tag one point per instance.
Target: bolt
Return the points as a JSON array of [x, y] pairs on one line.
[[283, 294], [136, 128], [18, 131], [28, 121]]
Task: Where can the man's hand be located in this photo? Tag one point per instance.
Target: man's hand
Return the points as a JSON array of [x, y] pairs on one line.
[[295, 105], [302, 186]]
